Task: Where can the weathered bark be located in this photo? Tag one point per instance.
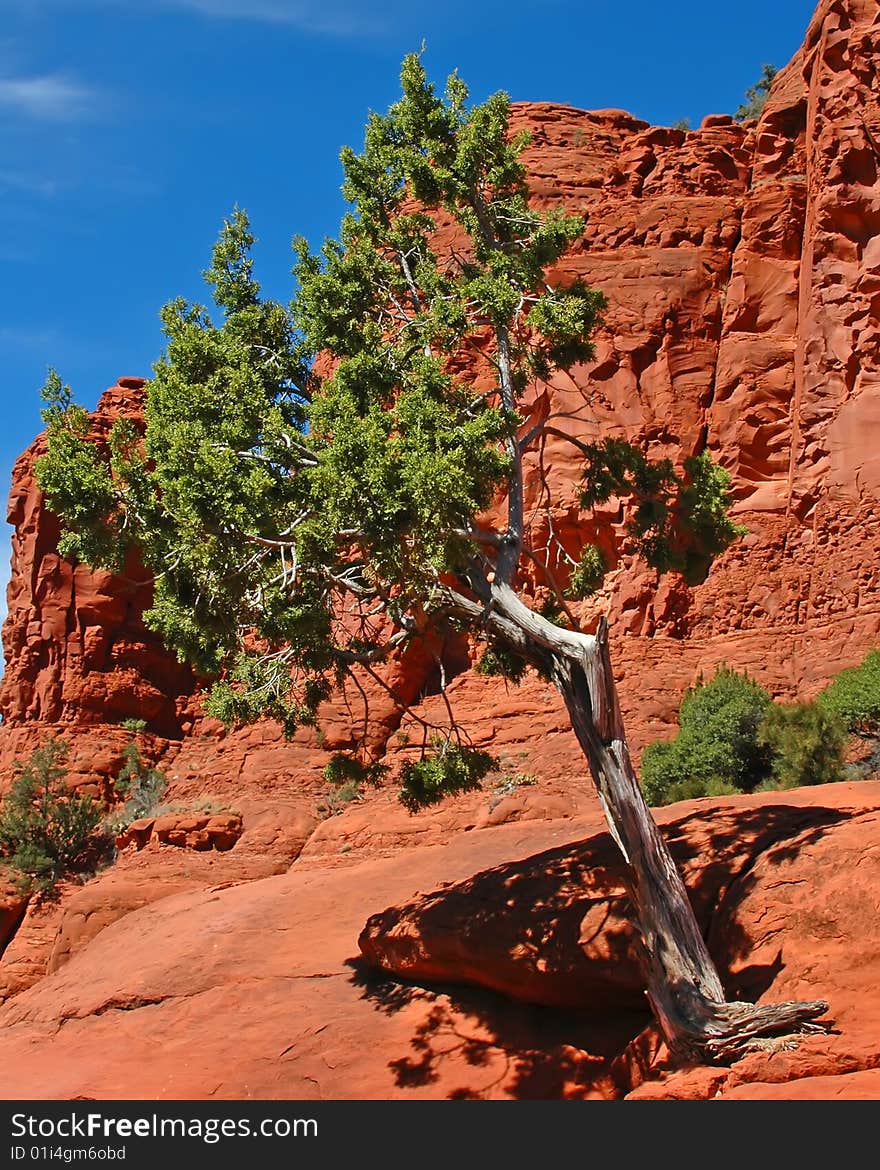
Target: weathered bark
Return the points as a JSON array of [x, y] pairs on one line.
[[682, 983]]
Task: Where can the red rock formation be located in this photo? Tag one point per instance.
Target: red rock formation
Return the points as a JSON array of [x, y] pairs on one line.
[[76, 648], [188, 965], [741, 272]]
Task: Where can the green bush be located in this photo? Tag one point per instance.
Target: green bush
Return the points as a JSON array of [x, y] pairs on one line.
[[450, 769], [734, 738], [339, 795], [46, 831], [717, 747], [854, 697], [756, 96], [806, 744], [142, 788]]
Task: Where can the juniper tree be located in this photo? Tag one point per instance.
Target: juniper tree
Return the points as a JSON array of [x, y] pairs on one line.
[[318, 485], [756, 95]]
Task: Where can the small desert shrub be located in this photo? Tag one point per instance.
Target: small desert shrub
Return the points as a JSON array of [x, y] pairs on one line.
[[717, 749], [449, 769], [46, 831], [340, 795], [806, 745], [346, 774], [734, 738], [141, 787], [854, 697], [135, 725]]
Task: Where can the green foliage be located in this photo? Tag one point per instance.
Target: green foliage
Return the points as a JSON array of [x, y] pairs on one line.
[[682, 124], [551, 608], [806, 745], [854, 696], [696, 786], [346, 775], [717, 742], [447, 770], [259, 685], [339, 795], [78, 481], [303, 518], [589, 573], [501, 662], [135, 725], [680, 522], [756, 95], [343, 769], [47, 832], [141, 786], [733, 738]]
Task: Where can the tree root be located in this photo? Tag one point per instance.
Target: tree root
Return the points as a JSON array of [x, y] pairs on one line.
[[733, 1030]]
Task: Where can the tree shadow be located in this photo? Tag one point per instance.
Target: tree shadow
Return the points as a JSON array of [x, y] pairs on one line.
[[546, 947], [473, 1044]]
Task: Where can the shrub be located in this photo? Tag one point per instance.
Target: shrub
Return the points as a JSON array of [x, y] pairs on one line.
[[756, 95], [46, 831], [717, 745], [135, 725], [806, 744], [691, 789], [448, 770], [733, 738], [142, 788], [340, 795], [854, 697]]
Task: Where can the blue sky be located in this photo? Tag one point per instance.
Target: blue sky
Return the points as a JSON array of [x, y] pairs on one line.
[[129, 128]]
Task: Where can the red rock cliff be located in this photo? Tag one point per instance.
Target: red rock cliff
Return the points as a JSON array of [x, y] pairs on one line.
[[742, 270]]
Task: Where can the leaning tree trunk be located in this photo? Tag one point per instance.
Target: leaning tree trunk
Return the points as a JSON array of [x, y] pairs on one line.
[[683, 987], [682, 983]]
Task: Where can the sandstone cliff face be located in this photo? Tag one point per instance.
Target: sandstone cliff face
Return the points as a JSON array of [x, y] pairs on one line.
[[76, 648], [743, 275]]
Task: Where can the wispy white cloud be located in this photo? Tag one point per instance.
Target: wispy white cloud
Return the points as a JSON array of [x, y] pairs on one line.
[[25, 338], [342, 18], [50, 97], [306, 14], [30, 184]]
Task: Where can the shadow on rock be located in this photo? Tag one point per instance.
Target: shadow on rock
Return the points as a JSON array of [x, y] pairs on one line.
[[556, 929], [494, 1046]]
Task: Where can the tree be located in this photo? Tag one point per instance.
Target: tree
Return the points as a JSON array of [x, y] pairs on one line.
[[314, 487], [733, 738], [46, 831], [854, 697], [717, 743], [756, 95], [806, 745]]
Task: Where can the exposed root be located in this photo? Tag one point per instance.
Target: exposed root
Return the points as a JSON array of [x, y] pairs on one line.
[[733, 1030]]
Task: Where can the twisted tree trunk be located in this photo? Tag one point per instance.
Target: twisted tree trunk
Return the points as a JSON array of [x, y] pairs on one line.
[[682, 984]]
